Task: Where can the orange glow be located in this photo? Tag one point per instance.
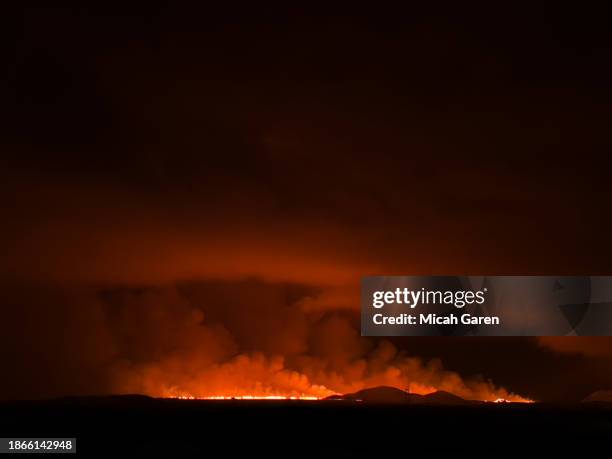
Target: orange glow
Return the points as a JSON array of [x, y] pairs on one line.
[[259, 377], [414, 389], [250, 397], [516, 399], [421, 389]]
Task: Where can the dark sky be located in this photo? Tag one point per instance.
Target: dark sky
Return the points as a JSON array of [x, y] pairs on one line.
[[192, 195]]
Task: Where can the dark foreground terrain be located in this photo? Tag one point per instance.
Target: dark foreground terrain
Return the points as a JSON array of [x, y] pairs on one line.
[[140, 426]]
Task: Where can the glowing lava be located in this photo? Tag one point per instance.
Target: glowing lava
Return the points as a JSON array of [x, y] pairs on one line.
[[249, 397], [518, 400]]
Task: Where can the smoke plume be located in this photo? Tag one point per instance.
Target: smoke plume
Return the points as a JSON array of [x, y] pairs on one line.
[[203, 339]]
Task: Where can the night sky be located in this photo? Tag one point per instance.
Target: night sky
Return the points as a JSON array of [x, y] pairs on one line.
[[190, 197]]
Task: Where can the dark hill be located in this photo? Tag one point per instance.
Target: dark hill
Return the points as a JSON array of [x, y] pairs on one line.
[[380, 394], [444, 398], [387, 394]]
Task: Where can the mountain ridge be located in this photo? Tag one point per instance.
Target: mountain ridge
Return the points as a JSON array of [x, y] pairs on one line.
[[393, 395]]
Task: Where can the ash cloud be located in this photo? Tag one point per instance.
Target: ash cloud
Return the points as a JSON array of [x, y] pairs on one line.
[[202, 340]]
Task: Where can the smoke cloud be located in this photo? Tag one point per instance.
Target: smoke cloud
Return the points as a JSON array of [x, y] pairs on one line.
[[214, 338]]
